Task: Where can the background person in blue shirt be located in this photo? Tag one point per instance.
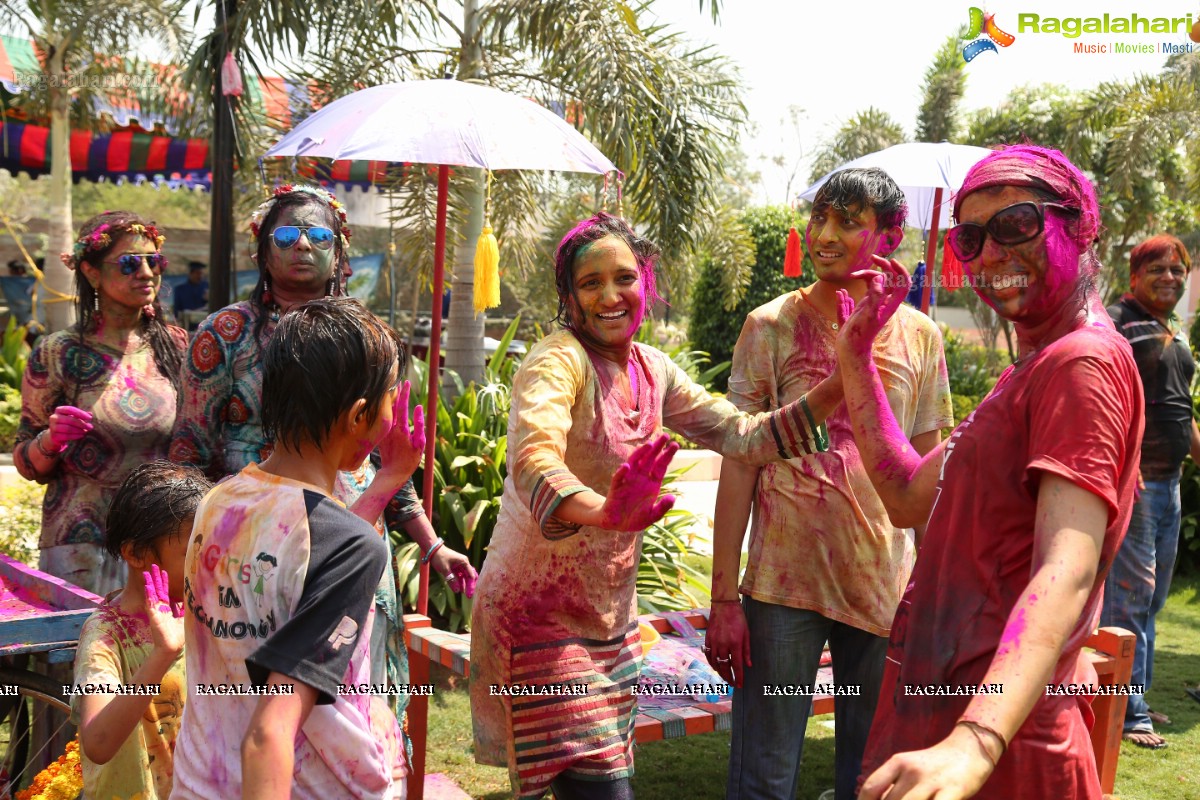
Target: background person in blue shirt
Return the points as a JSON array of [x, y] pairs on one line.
[[194, 293]]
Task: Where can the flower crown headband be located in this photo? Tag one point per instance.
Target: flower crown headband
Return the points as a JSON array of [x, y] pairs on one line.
[[102, 237], [264, 208]]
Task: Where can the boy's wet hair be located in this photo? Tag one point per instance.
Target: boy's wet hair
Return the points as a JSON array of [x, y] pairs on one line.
[[151, 503], [852, 191], [323, 357]]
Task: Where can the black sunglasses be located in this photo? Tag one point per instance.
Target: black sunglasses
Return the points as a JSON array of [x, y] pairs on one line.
[[286, 236], [131, 262], [1013, 224]]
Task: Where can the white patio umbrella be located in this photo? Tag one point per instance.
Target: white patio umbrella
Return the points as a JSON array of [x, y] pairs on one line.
[[447, 123], [929, 174]]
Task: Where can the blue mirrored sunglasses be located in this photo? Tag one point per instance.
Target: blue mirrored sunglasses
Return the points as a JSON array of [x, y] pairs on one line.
[[286, 236], [131, 262]]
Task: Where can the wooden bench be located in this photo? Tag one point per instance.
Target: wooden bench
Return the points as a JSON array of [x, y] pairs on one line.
[[1109, 649]]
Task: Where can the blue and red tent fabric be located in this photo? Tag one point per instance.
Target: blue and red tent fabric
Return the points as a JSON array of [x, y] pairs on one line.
[[138, 156], [123, 155]]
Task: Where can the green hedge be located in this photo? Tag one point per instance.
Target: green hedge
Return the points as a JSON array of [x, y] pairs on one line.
[[714, 330]]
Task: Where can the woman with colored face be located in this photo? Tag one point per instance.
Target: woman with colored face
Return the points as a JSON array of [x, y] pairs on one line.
[[299, 239], [99, 398], [1026, 503], [587, 455]]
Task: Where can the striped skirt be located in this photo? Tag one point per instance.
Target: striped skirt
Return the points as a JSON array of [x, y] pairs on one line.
[[568, 707]]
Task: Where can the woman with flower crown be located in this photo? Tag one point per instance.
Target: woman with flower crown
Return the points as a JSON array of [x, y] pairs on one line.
[[99, 398], [299, 238]]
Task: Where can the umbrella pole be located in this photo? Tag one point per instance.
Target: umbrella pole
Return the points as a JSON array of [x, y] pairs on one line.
[[931, 250], [418, 708], [435, 354]]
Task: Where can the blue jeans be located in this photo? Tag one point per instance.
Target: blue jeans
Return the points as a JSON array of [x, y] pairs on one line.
[[768, 732], [1137, 585]]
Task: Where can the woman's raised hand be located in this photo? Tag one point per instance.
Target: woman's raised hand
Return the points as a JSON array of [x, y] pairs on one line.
[[402, 448], [632, 503], [886, 290], [67, 424]]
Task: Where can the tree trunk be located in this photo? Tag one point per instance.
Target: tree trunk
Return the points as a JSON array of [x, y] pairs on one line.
[[220, 248], [464, 330], [60, 313]]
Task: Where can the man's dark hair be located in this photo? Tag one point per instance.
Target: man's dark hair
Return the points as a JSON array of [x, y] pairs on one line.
[[194, 265], [151, 503], [324, 356], [851, 191]]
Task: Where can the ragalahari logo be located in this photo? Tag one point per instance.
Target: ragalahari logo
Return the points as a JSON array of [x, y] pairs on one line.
[[984, 34]]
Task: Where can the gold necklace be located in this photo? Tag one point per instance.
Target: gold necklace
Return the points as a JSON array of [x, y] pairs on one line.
[[832, 323]]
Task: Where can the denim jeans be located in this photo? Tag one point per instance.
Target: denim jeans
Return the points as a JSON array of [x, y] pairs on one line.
[[768, 732], [1137, 585]]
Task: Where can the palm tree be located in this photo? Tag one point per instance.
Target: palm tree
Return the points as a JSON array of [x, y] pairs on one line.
[[255, 31], [942, 92], [865, 132], [69, 35], [661, 109]]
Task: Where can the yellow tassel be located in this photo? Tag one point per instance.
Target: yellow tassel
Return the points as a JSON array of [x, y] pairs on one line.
[[487, 271]]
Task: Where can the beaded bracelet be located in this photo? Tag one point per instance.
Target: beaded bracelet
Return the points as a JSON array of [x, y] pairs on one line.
[[38, 441], [433, 548], [820, 433]]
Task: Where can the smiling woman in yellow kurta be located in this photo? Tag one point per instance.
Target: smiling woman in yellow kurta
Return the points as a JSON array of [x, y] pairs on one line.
[[554, 652]]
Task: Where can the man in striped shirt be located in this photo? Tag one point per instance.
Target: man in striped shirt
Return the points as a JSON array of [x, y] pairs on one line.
[[1137, 586]]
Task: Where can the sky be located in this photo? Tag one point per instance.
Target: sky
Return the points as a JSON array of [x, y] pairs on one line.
[[833, 59]]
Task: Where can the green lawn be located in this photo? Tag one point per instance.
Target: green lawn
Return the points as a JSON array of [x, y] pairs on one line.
[[695, 767]]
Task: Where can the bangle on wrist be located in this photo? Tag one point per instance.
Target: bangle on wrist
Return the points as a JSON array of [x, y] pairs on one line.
[[977, 730], [433, 548], [42, 449]]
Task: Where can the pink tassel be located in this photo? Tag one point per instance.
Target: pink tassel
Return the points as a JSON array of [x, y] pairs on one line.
[[231, 77]]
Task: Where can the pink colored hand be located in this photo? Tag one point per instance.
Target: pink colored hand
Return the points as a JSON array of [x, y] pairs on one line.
[[158, 592], [166, 619], [456, 569], [67, 424], [845, 307], [402, 448], [632, 503], [886, 290]]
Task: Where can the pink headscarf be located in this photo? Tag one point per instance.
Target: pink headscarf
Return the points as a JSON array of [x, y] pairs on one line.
[[1038, 168]]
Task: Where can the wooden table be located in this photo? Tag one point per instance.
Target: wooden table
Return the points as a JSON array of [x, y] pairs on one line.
[[1110, 651]]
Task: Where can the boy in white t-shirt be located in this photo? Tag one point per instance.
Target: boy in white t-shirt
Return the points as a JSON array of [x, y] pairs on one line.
[[280, 577]]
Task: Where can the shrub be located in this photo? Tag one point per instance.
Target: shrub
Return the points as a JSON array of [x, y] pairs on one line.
[[13, 354], [21, 521], [714, 330], [972, 370], [10, 417]]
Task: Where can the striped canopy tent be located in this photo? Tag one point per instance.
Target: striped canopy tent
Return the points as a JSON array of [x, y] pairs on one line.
[[120, 156], [278, 99], [140, 156]]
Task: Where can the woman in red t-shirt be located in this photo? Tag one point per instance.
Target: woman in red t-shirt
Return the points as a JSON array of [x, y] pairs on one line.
[[984, 691]]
